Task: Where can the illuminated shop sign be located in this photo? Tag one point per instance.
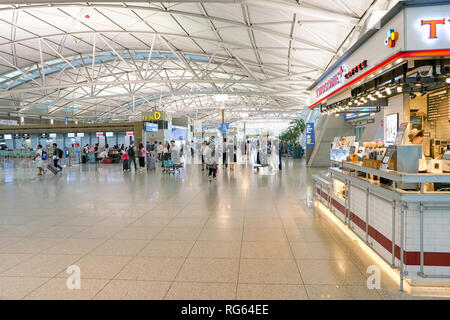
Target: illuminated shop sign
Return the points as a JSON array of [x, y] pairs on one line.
[[334, 81], [433, 26], [359, 67]]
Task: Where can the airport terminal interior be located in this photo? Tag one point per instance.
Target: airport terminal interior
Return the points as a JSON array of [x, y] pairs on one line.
[[225, 150]]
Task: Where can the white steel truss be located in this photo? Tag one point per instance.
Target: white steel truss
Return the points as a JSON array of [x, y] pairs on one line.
[[112, 61]]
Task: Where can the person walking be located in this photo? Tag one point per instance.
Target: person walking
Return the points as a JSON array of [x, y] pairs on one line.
[[204, 151], [165, 156], [125, 158], [175, 153], [57, 154], [142, 153], [280, 154], [132, 155], [224, 153], [159, 151], [211, 160], [96, 152], [38, 159]]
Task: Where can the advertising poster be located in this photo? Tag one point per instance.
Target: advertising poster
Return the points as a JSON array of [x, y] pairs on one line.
[[310, 134], [391, 127]]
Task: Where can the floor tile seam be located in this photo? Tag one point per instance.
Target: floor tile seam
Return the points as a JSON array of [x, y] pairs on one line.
[[154, 237], [185, 258], [242, 240], [292, 252]]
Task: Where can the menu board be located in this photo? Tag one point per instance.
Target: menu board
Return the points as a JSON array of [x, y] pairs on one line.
[[401, 133], [387, 158], [438, 104]]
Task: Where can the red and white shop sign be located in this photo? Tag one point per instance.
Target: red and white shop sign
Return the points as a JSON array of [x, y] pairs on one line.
[[129, 133], [428, 27], [100, 134], [336, 80]]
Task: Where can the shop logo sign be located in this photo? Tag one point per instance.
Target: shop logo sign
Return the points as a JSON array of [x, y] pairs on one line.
[[335, 80], [356, 69], [433, 26], [391, 37]]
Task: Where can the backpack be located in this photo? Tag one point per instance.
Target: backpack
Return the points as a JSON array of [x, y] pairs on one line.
[[131, 152], [60, 153], [44, 155]]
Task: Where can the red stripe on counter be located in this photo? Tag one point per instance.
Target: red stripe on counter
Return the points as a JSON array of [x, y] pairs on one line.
[[412, 258]]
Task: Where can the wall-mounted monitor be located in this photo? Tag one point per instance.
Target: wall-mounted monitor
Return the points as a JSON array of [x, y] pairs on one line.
[[391, 128], [71, 135], [348, 116], [110, 134], [52, 135], [179, 133], [80, 134], [8, 137], [150, 127]]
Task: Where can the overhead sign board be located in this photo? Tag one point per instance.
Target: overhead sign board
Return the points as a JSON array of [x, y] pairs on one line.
[[155, 116], [8, 122], [224, 127]]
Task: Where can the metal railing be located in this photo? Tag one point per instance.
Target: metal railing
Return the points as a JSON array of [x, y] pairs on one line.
[[426, 201]]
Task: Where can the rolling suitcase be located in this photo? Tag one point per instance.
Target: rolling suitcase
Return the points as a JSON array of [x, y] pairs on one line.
[[126, 165], [152, 163], [52, 169]]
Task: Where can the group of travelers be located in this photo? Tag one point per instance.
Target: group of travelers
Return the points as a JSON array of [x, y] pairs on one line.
[[41, 155], [149, 154]]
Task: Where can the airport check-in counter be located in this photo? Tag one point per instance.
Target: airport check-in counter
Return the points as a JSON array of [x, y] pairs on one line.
[[409, 229]]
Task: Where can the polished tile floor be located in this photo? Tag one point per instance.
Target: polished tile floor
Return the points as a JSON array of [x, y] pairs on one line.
[[133, 235]]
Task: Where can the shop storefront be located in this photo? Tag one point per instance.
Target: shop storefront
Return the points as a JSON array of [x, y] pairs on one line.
[[389, 182]]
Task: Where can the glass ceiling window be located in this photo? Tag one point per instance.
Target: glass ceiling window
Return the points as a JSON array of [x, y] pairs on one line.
[[9, 80]]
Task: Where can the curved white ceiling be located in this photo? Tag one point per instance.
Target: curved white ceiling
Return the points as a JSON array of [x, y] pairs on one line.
[[111, 61]]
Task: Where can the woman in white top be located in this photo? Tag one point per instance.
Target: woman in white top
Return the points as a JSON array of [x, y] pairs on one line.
[[38, 160], [159, 150]]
